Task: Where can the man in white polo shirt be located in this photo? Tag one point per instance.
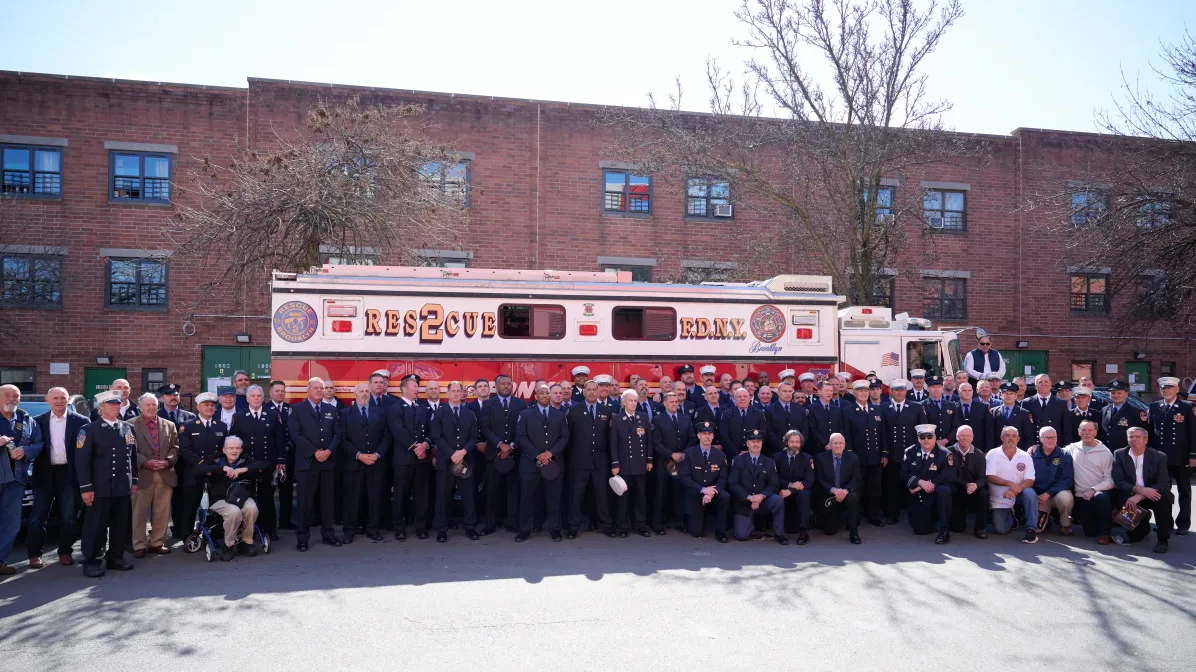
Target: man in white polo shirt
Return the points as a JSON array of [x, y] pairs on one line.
[[1010, 472]]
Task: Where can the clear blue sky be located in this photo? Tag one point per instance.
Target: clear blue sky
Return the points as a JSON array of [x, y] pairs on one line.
[[1008, 63]]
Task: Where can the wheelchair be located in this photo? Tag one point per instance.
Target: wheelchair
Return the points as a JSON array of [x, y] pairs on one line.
[[208, 535]]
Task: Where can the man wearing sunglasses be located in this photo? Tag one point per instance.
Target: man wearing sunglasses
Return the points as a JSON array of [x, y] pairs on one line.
[[983, 362]]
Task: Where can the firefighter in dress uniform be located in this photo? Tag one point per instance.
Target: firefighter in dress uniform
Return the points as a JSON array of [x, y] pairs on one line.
[[1174, 434], [106, 464], [864, 430], [580, 374], [929, 473], [630, 440]]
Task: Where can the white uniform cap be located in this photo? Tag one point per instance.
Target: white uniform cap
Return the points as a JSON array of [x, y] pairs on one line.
[[1082, 392], [861, 385], [618, 485], [807, 376], [917, 373], [899, 384], [1168, 382], [925, 429], [603, 379], [581, 369], [787, 373], [709, 368], [381, 372], [844, 375], [205, 396], [105, 397]]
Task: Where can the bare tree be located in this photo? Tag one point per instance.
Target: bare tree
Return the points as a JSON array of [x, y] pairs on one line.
[[1133, 211], [818, 151], [361, 182]]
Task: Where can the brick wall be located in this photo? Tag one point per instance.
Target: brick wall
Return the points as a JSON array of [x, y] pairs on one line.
[[536, 203]]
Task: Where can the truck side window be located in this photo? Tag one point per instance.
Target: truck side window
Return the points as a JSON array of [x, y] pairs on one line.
[[924, 355]]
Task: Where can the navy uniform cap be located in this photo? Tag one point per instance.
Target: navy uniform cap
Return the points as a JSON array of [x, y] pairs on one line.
[[934, 380], [408, 377], [704, 426], [169, 389], [1009, 387], [685, 368], [225, 389], [755, 435], [877, 385], [1116, 384]]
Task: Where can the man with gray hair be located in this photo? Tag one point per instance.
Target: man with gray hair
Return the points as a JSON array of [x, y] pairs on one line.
[[264, 444], [837, 481], [1053, 479], [1047, 410], [157, 453], [21, 440], [316, 431], [1010, 473], [231, 492], [241, 387], [54, 479], [1092, 466]]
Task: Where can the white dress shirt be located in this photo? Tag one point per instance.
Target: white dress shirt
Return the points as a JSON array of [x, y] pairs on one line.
[[57, 439], [1138, 460], [226, 416]]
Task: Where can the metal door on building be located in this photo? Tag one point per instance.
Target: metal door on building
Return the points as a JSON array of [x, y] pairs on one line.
[[96, 380], [1137, 374], [1025, 364], [221, 361]]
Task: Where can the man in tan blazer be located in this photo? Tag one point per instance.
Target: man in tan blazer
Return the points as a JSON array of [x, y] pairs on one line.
[[157, 453]]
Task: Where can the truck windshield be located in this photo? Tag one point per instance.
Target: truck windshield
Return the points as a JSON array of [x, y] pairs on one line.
[[956, 361]]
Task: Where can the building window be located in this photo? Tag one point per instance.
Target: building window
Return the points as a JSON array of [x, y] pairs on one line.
[[348, 259], [945, 298], [444, 262], [531, 321], [23, 377], [452, 179], [137, 283], [883, 289], [626, 192], [884, 204], [945, 210], [707, 197], [638, 273], [1088, 206], [152, 379], [1152, 211], [1089, 294], [140, 177], [696, 275], [643, 324], [1082, 369], [32, 171], [1167, 369], [31, 281]]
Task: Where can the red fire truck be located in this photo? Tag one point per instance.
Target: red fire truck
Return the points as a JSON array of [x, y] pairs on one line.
[[342, 323]]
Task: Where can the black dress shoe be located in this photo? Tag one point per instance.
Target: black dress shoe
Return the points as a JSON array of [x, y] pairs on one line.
[[119, 565], [301, 547], [487, 531], [555, 534], [612, 534], [93, 571], [226, 555], [643, 532], [722, 537], [441, 537], [854, 537], [523, 536], [876, 522], [659, 531], [570, 534], [472, 534], [247, 550], [348, 538], [622, 534], [803, 538], [333, 541], [401, 535], [373, 536], [890, 521], [273, 536], [1161, 547], [537, 527], [781, 539], [981, 534], [421, 534], [943, 537], [452, 526], [1181, 533]]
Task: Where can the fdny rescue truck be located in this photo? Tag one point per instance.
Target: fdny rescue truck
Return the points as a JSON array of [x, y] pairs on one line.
[[342, 323]]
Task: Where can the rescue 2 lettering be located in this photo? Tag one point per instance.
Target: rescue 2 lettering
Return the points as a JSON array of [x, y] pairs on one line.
[[431, 322], [720, 328]]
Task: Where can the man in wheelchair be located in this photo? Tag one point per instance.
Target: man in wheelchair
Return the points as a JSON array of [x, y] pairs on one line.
[[231, 491]]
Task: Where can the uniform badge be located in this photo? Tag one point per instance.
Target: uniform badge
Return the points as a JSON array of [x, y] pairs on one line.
[[639, 430], [18, 428], [714, 467], [1056, 461], [950, 411], [934, 467], [876, 417], [950, 463], [81, 440], [1021, 466], [1179, 417], [130, 439], [1123, 423], [327, 416]]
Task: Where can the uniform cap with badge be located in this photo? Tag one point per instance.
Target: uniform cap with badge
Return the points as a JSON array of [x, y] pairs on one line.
[[617, 484], [168, 389], [1082, 392], [1117, 384], [844, 376], [580, 370], [550, 470], [109, 397], [931, 381], [861, 384], [604, 379], [505, 465], [704, 426], [787, 373], [898, 384], [685, 368], [381, 372], [1168, 381], [754, 435], [1009, 387], [807, 376], [917, 373], [205, 396], [461, 470], [709, 368], [876, 385], [410, 376]]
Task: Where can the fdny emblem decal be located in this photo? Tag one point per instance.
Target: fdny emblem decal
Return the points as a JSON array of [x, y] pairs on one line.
[[587, 310], [767, 324], [295, 321], [1021, 466]]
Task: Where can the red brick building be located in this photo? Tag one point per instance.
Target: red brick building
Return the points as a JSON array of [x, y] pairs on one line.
[[94, 170]]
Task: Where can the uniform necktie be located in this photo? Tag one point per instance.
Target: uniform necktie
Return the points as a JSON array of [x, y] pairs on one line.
[[173, 418], [743, 414], [965, 412], [673, 417], [545, 414], [753, 461], [365, 415], [1007, 412], [898, 409], [457, 412], [593, 415], [837, 472], [706, 455]]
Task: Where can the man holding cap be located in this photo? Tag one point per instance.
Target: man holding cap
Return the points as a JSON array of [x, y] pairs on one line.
[[630, 443], [106, 465], [837, 475], [918, 379], [1175, 436], [407, 423], [864, 430], [703, 476], [1118, 416], [755, 486], [672, 433], [929, 473], [580, 374], [541, 434], [201, 442], [315, 429], [587, 460]]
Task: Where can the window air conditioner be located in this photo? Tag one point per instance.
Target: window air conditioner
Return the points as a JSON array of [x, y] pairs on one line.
[[722, 210], [934, 222]]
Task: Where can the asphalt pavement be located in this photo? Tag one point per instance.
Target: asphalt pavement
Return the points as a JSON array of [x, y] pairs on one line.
[[896, 602]]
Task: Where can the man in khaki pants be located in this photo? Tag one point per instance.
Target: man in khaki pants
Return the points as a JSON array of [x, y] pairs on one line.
[[157, 453]]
